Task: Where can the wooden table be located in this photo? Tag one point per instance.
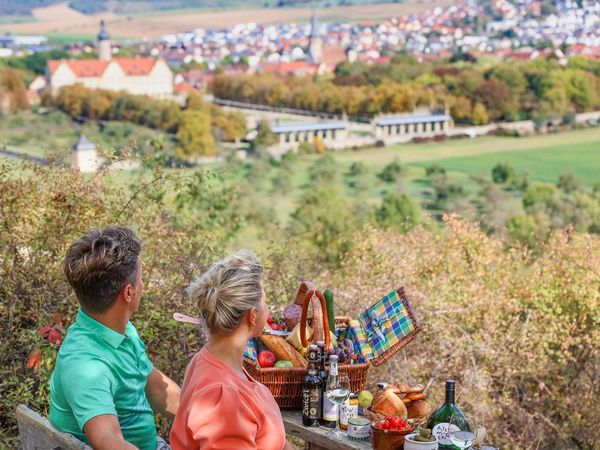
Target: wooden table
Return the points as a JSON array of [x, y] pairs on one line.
[[316, 437]]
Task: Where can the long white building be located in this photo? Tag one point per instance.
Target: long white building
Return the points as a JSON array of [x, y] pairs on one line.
[[142, 76]]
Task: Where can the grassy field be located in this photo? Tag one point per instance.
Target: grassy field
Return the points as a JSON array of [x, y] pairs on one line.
[[581, 159], [61, 19]]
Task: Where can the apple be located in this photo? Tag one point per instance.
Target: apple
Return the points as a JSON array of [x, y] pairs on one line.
[[267, 358]]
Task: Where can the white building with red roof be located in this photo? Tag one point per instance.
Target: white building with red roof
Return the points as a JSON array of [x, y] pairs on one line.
[[141, 76]]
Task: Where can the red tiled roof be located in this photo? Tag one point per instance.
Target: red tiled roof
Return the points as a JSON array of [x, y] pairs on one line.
[[182, 88], [289, 68], [95, 67]]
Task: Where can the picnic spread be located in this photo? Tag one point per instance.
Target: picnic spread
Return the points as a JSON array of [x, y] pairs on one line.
[[302, 359], [315, 365]]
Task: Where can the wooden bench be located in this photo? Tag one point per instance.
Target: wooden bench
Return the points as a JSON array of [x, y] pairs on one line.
[[316, 437], [36, 433]]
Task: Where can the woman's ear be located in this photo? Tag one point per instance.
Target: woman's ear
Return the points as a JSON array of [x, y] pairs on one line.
[[251, 317]]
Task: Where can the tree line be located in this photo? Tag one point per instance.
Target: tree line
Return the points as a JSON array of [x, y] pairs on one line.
[[475, 92], [197, 125]]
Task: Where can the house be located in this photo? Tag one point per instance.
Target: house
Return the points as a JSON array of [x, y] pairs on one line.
[[142, 76]]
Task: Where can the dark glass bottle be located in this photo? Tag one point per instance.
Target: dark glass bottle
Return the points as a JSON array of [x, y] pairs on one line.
[[439, 422], [329, 408], [312, 390]]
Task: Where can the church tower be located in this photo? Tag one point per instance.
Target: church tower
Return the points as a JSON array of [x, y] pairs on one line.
[[315, 45], [104, 48]]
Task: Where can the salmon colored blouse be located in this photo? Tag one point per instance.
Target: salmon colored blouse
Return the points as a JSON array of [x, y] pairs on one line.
[[219, 410]]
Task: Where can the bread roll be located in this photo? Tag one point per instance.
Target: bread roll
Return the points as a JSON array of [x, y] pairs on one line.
[[416, 396], [415, 389], [283, 350], [386, 402], [419, 408]]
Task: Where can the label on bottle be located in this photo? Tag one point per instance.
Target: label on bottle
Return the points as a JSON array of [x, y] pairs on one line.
[[330, 410], [347, 412], [442, 432], [311, 403]]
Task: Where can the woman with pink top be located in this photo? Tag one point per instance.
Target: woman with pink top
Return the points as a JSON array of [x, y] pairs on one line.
[[221, 405]]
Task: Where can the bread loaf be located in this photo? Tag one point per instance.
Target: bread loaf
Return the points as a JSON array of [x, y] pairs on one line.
[[386, 402], [419, 408], [283, 350]]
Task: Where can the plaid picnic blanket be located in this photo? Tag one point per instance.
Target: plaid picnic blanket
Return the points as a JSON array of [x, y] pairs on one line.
[[388, 323]]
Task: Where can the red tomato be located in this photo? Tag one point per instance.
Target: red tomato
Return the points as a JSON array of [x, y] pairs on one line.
[[274, 326], [270, 320], [267, 358]]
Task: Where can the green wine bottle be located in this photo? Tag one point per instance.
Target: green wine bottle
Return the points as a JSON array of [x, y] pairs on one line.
[[439, 422]]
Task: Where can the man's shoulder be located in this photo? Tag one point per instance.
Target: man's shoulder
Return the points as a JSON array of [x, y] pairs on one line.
[[85, 350]]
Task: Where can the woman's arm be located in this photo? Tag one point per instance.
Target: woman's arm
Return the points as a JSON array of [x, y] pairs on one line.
[[162, 393]]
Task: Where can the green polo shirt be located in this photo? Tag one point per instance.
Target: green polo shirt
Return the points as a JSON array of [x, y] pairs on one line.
[[99, 371]]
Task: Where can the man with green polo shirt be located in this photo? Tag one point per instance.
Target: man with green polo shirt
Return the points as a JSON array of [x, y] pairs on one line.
[[104, 389]]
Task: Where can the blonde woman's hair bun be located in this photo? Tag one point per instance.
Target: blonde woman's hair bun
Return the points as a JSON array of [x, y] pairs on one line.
[[227, 291]]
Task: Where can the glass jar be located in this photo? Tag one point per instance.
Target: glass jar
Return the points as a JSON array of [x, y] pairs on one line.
[[349, 409]]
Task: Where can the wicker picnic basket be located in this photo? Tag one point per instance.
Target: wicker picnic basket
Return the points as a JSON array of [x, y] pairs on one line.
[[286, 384]]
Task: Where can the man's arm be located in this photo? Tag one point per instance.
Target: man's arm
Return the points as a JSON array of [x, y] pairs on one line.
[[163, 393], [104, 433]]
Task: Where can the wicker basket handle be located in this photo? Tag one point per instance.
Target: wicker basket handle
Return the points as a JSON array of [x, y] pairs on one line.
[[307, 298], [304, 287]]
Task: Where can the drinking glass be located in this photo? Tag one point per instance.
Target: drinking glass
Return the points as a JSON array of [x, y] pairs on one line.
[[338, 391], [462, 430]]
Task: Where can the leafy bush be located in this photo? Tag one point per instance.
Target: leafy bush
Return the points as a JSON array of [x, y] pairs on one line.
[[520, 331], [391, 172]]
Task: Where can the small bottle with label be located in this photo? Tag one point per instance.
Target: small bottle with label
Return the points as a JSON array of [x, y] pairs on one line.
[[312, 390], [348, 410]]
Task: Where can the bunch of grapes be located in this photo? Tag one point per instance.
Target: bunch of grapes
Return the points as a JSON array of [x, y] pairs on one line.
[[344, 351]]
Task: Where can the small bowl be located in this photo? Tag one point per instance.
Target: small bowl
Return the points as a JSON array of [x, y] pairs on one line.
[[410, 444], [387, 439]]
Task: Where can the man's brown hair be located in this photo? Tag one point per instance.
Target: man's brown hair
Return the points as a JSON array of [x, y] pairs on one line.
[[100, 263]]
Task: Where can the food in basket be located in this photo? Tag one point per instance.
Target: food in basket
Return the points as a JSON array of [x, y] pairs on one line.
[[283, 350], [388, 403], [419, 408], [416, 396], [291, 315], [266, 358], [294, 337], [283, 364]]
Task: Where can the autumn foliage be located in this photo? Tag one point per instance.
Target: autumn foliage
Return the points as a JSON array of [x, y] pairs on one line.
[[519, 331]]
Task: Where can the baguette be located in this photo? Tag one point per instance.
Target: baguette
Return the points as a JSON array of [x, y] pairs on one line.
[[283, 350]]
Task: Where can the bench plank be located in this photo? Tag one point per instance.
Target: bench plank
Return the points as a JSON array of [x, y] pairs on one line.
[[37, 433]]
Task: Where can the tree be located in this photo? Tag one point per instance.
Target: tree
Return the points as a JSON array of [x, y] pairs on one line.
[[319, 145], [537, 196], [195, 102], [194, 136], [433, 170], [398, 211], [391, 172], [264, 136], [569, 183], [12, 86], [502, 172], [480, 115]]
